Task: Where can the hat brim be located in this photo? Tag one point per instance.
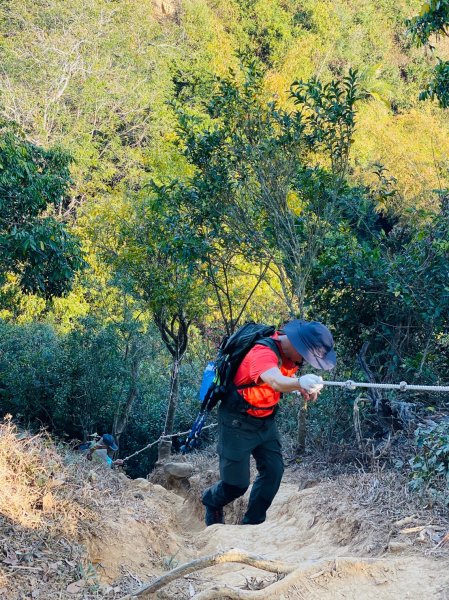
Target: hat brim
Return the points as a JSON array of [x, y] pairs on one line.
[[325, 362]]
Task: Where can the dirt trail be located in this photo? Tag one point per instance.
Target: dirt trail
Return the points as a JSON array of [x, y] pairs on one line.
[[341, 550], [70, 530], [330, 549]]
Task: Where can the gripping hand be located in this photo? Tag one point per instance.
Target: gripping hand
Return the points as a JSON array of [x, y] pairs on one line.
[[312, 384]]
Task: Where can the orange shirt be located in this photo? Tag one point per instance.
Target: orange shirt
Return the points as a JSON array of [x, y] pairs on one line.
[[258, 360]]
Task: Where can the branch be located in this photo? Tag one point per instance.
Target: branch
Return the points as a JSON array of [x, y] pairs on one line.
[[262, 275], [228, 300], [226, 556], [374, 394], [217, 289], [165, 333], [293, 574]]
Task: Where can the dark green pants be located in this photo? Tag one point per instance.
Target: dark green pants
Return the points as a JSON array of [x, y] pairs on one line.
[[239, 436]]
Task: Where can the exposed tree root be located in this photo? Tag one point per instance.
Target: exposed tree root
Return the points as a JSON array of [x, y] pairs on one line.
[[274, 590], [271, 592], [233, 555]]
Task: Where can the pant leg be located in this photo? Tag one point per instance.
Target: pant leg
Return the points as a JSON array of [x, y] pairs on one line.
[[270, 465], [221, 493], [237, 438]]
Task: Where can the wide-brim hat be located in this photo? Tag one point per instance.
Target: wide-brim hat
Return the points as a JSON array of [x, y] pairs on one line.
[[313, 341]]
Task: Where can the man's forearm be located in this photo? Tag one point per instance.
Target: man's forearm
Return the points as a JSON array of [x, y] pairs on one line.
[[281, 383], [310, 388]]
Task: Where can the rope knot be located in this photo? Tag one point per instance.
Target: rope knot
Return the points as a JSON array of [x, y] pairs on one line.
[[403, 386], [349, 385]]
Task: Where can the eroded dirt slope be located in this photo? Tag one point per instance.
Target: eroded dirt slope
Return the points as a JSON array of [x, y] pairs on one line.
[[342, 535]]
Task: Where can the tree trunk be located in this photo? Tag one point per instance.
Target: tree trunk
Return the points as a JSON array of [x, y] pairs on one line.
[[379, 403], [122, 414], [122, 419], [165, 445], [172, 398], [175, 337]]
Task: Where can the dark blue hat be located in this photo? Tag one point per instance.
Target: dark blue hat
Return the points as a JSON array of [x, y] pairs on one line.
[[313, 341], [108, 440]]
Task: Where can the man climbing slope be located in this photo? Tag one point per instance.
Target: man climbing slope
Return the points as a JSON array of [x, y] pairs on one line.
[[246, 424]]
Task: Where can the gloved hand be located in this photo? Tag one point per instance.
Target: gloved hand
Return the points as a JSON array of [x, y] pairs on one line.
[[311, 383]]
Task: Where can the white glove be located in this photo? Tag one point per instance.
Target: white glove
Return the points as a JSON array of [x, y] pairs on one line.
[[311, 383]]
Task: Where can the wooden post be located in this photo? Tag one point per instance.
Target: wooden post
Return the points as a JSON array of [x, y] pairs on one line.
[[164, 450]]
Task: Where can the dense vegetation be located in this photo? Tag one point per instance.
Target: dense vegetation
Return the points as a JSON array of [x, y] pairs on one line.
[[171, 169]]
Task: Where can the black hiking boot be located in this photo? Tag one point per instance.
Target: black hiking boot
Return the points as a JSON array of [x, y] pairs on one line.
[[214, 515]]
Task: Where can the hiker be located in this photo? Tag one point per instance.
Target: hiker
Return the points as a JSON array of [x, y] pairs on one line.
[[246, 424], [99, 451]]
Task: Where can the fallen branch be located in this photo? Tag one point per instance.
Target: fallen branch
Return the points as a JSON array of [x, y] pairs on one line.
[[233, 555], [278, 588], [271, 592]]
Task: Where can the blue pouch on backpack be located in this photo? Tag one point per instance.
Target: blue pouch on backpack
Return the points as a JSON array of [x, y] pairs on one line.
[[208, 378]]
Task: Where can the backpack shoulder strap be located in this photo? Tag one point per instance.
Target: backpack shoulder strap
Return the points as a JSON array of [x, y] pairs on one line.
[[270, 343]]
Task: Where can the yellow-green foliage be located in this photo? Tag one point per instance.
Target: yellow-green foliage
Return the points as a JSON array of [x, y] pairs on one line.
[[409, 137], [413, 146], [95, 76]]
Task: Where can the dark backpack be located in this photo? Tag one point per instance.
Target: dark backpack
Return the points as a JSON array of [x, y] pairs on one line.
[[232, 351], [218, 376]]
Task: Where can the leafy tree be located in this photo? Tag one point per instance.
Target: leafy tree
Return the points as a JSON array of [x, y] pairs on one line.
[[438, 88], [382, 283], [266, 182], [433, 20], [235, 284], [270, 28], [30, 361], [258, 185], [162, 270], [430, 466], [35, 245], [153, 255], [65, 82], [80, 382]]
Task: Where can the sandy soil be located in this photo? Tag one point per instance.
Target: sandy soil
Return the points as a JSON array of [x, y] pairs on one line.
[[330, 550], [338, 548], [73, 530]]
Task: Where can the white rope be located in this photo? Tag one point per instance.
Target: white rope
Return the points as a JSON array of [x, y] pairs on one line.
[[403, 386]]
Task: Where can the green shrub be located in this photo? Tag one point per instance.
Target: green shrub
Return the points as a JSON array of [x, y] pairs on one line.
[[430, 466]]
